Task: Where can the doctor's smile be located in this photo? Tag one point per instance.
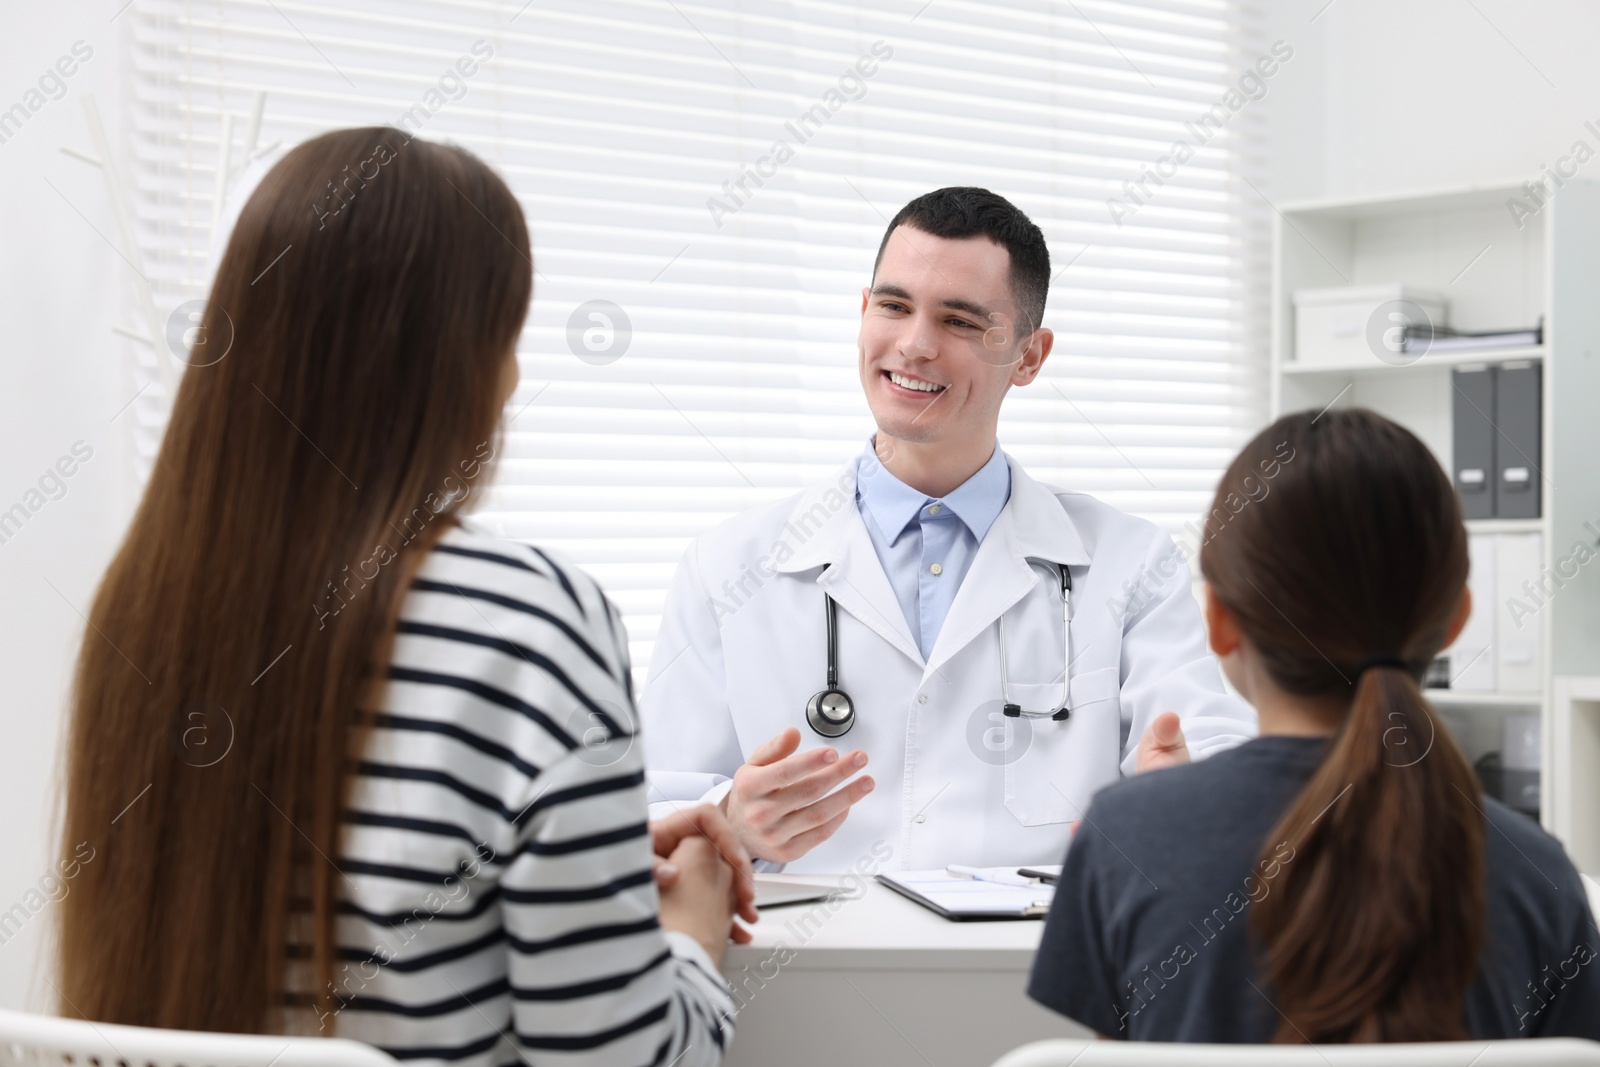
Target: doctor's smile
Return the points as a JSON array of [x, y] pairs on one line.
[[907, 382]]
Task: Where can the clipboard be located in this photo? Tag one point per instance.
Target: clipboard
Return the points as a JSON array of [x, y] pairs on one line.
[[970, 900]]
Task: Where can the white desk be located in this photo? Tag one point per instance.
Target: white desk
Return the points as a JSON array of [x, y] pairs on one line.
[[883, 981]]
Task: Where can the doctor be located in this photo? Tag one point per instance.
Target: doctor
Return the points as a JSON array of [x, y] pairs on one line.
[[939, 566]]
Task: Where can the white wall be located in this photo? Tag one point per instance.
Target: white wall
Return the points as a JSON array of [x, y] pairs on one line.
[[61, 381], [1426, 93]]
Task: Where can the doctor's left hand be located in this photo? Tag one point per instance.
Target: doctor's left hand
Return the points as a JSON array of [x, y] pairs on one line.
[[1162, 745], [707, 821]]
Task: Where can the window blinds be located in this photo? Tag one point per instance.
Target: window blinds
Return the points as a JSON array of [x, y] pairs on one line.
[[707, 182]]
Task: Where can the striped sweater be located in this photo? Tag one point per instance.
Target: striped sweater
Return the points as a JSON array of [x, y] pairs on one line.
[[498, 905]]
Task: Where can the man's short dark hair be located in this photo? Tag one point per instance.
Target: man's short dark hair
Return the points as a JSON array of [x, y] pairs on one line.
[[964, 211]]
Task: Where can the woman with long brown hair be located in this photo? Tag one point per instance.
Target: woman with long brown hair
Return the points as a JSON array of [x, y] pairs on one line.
[[347, 764], [1340, 878]]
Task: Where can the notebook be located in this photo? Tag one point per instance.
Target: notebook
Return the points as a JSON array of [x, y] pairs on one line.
[[775, 893]]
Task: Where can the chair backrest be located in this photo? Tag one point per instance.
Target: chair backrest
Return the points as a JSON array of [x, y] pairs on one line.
[[45, 1039], [1548, 1052]]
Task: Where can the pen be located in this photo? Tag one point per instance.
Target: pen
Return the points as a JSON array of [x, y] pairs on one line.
[[999, 876]]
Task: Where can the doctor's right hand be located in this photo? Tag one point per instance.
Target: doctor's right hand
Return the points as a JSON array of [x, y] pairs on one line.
[[783, 803]]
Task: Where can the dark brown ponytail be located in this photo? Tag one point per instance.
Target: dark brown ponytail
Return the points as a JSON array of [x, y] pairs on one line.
[[1344, 574]]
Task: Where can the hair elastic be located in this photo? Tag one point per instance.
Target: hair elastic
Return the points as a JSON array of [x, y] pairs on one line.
[[1381, 661]]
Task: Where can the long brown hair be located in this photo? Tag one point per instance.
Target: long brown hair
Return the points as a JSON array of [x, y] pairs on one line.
[[1351, 547], [355, 348]]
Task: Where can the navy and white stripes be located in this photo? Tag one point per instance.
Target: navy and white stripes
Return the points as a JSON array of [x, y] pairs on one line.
[[497, 899]]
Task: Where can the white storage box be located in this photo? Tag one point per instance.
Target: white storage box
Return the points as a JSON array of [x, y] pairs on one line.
[[1356, 324]]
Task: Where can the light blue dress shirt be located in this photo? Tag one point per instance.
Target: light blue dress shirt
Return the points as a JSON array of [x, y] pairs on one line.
[[926, 544]]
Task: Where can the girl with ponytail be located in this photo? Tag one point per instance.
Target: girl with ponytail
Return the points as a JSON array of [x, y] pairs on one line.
[[1341, 878]]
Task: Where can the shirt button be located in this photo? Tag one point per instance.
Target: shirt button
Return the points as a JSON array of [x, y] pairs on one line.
[[933, 509], [922, 818], [922, 698], [935, 570]]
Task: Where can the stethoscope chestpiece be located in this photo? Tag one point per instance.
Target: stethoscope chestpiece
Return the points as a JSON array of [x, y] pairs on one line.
[[831, 713]]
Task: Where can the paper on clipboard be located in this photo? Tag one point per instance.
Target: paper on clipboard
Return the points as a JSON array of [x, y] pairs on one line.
[[962, 899]]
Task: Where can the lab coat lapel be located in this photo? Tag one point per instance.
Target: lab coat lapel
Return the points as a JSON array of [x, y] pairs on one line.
[[825, 528], [1032, 524]]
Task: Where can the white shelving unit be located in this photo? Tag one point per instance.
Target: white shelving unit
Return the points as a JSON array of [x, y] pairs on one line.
[[1575, 799], [1466, 244]]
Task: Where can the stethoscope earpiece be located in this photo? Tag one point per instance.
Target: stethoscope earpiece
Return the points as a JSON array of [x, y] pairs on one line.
[[1014, 711]]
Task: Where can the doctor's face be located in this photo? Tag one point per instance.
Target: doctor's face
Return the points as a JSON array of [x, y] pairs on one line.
[[939, 341]]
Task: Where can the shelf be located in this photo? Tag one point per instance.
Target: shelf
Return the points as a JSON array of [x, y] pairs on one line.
[[1504, 526], [1374, 365], [1466, 698], [1485, 196]]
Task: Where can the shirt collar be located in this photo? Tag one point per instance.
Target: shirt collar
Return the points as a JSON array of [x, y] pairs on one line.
[[891, 504]]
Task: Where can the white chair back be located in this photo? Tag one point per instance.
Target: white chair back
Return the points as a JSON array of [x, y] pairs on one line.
[[1549, 1052], [45, 1039]]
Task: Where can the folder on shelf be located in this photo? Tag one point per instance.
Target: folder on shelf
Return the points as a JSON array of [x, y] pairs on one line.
[[1438, 340], [1519, 611], [1472, 419], [967, 899], [1517, 424]]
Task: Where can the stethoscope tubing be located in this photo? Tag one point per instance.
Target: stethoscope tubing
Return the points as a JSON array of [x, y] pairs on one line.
[[831, 712]]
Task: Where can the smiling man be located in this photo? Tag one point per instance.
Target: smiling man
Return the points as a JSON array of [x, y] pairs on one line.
[[911, 613]]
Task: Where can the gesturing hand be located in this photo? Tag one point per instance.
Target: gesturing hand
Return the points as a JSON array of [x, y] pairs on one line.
[[1162, 745], [783, 803]]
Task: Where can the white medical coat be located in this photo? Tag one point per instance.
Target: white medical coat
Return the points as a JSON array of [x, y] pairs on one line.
[[742, 648]]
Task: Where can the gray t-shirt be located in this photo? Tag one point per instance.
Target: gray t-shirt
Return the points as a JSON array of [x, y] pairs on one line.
[[1147, 936]]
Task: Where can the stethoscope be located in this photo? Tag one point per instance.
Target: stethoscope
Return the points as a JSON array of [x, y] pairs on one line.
[[831, 712]]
